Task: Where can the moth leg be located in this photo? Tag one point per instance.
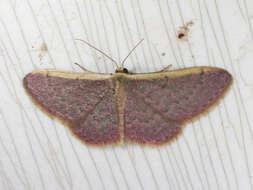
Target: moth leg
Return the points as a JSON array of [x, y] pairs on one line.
[[165, 68], [85, 70]]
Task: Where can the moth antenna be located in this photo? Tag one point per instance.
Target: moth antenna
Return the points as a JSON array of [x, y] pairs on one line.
[[122, 63], [83, 68], [115, 62]]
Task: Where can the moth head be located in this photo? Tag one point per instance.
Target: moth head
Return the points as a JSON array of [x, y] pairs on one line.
[[122, 70]]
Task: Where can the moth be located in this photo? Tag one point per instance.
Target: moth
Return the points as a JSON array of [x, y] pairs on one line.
[[148, 108]]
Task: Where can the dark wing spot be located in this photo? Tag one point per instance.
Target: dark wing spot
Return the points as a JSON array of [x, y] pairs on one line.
[[181, 35]]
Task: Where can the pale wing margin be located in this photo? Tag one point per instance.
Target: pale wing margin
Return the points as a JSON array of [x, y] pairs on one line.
[[74, 75], [171, 73]]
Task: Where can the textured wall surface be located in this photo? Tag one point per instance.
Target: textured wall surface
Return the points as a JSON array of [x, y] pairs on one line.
[[214, 152]]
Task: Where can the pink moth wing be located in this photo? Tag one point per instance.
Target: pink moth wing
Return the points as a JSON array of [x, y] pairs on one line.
[[150, 108]]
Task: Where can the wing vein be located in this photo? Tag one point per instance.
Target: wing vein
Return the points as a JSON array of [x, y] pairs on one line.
[[83, 118], [140, 98]]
